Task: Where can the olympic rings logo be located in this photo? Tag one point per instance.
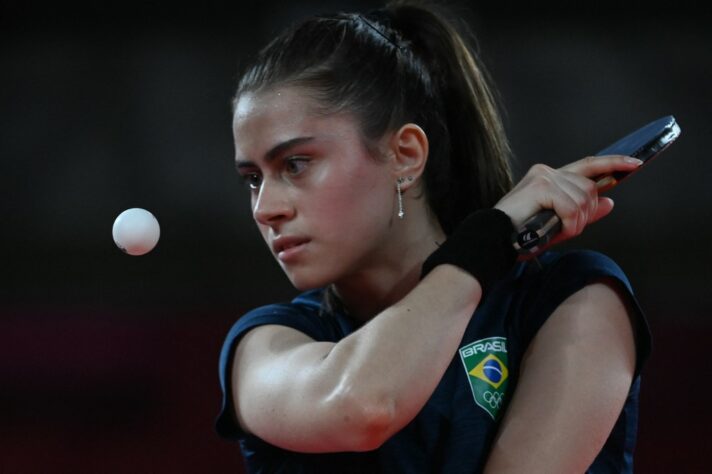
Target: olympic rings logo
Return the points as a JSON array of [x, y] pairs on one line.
[[494, 399]]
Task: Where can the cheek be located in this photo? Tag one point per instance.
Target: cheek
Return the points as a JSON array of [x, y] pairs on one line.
[[353, 200]]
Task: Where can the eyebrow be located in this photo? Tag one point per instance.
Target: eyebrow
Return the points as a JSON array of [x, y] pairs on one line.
[[275, 150]]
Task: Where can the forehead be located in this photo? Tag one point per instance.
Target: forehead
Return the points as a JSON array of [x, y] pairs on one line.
[[264, 118], [264, 104]]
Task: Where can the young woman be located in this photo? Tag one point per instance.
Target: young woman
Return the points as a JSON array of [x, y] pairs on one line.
[[379, 178]]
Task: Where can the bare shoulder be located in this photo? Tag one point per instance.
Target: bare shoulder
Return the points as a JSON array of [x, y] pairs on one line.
[[599, 307], [579, 366]]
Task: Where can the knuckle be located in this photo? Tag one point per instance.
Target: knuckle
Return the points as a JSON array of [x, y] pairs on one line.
[[569, 229], [540, 169], [575, 225], [582, 220], [568, 210], [590, 187], [542, 181]]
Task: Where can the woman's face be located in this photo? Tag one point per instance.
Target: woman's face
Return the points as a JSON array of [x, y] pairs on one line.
[[323, 205]]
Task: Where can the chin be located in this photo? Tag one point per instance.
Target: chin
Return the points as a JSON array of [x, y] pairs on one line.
[[306, 286], [303, 281]]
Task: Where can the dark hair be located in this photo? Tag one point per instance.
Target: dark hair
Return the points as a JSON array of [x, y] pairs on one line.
[[404, 63]]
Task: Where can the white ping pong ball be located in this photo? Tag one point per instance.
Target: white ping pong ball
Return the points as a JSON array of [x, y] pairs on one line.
[[136, 231]]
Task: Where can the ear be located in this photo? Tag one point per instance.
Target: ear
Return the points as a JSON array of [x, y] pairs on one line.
[[408, 148]]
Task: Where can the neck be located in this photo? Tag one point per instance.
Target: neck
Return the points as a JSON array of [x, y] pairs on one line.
[[395, 271]]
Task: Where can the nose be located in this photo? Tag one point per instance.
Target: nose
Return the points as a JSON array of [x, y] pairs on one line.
[[272, 204]]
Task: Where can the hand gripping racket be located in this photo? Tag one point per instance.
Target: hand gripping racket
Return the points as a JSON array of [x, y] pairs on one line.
[[645, 144]]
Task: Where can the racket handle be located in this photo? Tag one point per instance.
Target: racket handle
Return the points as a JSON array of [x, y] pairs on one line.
[[544, 225], [536, 232]]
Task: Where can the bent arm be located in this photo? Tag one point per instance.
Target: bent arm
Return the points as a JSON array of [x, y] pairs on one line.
[[310, 396], [353, 395], [574, 381]]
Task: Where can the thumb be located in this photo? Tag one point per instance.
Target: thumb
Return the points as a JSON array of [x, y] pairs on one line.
[[605, 206]]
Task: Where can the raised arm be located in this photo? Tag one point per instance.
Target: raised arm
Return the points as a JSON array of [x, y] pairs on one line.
[[570, 191], [353, 395]]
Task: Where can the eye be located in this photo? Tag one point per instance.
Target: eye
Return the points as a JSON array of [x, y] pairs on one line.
[[295, 165], [252, 179]]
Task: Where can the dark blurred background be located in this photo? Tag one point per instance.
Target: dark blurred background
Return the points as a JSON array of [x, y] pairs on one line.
[[108, 363]]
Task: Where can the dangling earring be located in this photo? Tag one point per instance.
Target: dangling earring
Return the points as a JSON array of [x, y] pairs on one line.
[[401, 212], [399, 181]]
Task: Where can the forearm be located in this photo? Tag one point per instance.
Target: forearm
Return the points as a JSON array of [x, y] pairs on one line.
[[390, 367], [355, 393]]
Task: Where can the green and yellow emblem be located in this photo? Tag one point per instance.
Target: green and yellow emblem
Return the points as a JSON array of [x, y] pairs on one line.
[[485, 362]]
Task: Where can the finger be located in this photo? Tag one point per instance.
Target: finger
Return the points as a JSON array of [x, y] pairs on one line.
[[594, 166], [583, 195], [605, 206], [569, 203]]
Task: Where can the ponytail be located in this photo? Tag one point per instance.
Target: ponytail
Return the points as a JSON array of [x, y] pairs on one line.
[[475, 172], [403, 63]]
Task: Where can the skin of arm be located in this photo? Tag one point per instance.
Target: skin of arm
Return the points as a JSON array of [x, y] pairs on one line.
[[353, 395], [574, 380]]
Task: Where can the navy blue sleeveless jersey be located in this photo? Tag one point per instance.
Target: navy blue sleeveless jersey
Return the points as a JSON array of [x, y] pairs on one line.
[[454, 431]]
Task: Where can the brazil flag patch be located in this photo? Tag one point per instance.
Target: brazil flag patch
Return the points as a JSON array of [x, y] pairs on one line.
[[485, 362]]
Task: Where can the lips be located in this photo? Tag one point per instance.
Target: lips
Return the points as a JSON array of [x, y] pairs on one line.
[[282, 244]]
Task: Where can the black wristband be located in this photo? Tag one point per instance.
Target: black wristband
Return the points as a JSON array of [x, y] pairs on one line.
[[481, 245]]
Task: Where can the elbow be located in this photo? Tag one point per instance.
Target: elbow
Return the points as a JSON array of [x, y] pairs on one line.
[[367, 421], [373, 423]]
